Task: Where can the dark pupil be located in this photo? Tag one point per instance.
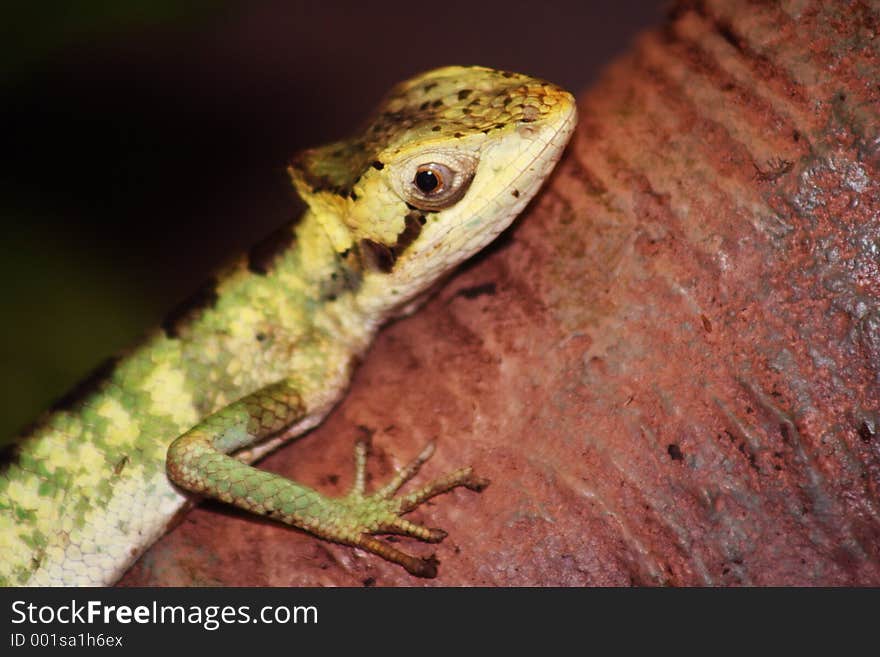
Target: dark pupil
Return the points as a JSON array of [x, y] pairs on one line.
[[427, 181]]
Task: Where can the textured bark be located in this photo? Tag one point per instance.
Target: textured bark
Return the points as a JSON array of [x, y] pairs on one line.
[[668, 368]]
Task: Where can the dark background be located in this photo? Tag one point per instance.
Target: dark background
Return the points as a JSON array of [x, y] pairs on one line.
[[145, 142]]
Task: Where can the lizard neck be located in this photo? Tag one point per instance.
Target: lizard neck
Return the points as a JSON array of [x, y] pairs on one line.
[[350, 297]]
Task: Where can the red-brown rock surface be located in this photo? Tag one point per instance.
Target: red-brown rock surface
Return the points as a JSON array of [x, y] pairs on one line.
[[668, 368]]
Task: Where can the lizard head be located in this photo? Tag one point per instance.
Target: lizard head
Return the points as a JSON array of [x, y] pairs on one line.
[[445, 164]]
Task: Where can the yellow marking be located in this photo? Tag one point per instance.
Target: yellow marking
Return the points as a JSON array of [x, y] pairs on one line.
[[171, 398], [122, 429]]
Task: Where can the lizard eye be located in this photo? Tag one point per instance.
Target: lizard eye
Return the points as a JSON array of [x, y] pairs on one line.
[[438, 183], [430, 178]]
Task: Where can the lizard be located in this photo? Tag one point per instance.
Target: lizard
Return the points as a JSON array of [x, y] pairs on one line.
[[266, 350]]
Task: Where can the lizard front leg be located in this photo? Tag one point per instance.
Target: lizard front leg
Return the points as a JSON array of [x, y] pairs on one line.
[[199, 461]]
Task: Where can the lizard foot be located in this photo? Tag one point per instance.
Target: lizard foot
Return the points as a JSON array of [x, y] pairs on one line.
[[361, 515]]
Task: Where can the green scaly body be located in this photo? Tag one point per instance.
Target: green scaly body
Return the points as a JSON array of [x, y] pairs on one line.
[[267, 348]]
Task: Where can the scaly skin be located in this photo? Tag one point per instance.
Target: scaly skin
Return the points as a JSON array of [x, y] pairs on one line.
[[447, 162]]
